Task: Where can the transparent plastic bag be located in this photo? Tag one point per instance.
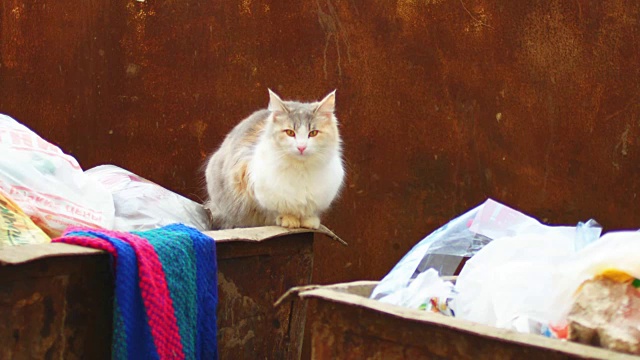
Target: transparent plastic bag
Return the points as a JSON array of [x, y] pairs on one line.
[[143, 205], [453, 240], [48, 184], [446, 249]]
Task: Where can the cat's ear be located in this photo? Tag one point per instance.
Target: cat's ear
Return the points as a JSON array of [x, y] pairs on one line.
[[275, 103], [328, 104]]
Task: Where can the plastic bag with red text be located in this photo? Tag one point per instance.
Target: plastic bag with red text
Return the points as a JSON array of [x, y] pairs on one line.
[[49, 185]]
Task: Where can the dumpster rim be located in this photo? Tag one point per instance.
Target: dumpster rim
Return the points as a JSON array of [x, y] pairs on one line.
[[338, 293]]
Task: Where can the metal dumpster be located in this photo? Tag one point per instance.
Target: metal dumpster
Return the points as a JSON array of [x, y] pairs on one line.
[[346, 324], [56, 299]]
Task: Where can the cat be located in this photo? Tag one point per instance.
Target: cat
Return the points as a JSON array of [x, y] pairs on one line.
[[280, 166]]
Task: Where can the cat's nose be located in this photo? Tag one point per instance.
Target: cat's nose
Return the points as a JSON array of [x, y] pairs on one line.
[[301, 148]]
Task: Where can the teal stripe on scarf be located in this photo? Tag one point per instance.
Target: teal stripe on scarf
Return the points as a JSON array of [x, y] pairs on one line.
[[119, 342], [178, 260]]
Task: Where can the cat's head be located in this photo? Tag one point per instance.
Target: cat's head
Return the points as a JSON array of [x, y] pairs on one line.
[[304, 130]]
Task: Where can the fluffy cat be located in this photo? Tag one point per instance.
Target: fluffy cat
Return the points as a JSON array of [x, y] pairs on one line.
[[280, 166]]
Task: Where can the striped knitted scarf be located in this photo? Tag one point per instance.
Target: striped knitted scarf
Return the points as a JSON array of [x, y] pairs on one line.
[[165, 291]]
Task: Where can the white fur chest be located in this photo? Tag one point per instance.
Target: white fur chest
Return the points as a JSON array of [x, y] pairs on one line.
[[293, 187]]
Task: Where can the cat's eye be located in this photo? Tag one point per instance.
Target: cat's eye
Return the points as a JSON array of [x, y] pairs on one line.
[[290, 132], [313, 133]]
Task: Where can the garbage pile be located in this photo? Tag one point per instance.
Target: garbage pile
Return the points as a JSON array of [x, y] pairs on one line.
[[44, 191], [565, 282]]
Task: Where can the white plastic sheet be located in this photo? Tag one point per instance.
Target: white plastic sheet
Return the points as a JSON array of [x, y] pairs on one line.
[[142, 205]]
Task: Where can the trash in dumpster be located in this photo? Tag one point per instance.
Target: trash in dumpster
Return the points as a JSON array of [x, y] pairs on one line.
[[442, 250], [601, 293], [606, 313], [507, 283], [143, 205], [428, 291], [16, 228], [447, 247], [48, 184], [565, 282], [53, 190]]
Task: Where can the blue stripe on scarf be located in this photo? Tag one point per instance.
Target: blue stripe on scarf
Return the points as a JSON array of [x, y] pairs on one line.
[[207, 279]]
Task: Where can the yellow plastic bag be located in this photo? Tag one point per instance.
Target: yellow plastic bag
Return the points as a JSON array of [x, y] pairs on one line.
[[16, 228]]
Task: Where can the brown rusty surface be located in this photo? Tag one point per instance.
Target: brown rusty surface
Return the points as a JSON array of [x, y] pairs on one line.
[[345, 331], [442, 103], [251, 277], [62, 307], [56, 308]]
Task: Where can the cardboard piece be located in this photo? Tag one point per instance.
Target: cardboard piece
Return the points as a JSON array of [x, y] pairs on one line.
[[267, 232], [14, 255]]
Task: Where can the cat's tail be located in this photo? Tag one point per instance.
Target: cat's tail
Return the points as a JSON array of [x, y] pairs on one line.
[[207, 209], [215, 221]]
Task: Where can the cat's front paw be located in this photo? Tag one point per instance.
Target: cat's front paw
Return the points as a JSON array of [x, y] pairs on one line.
[[311, 222], [288, 221]]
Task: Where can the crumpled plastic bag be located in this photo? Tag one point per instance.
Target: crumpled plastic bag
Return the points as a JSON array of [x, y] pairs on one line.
[[16, 228], [143, 205], [426, 292], [443, 250], [447, 247], [468, 236], [49, 185], [526, 282], [509, 279]]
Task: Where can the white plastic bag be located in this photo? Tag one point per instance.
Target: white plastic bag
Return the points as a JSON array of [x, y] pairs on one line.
[[453, 238], [421, 290], [526, 281], [510, 279], [491, 270], [48, 184], [142, 205]]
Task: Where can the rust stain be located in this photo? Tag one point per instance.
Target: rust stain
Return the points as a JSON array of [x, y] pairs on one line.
[[552, 44], [332, 26], [12, 39], [234, 298], [239, 334], [245, 7], [34, 308], [198, 129], [20, 304], [479, 16], [406, 9], [623, 145]]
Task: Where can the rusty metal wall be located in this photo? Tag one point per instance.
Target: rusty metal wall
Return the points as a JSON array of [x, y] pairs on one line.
[[442, 103], [56, 308]]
